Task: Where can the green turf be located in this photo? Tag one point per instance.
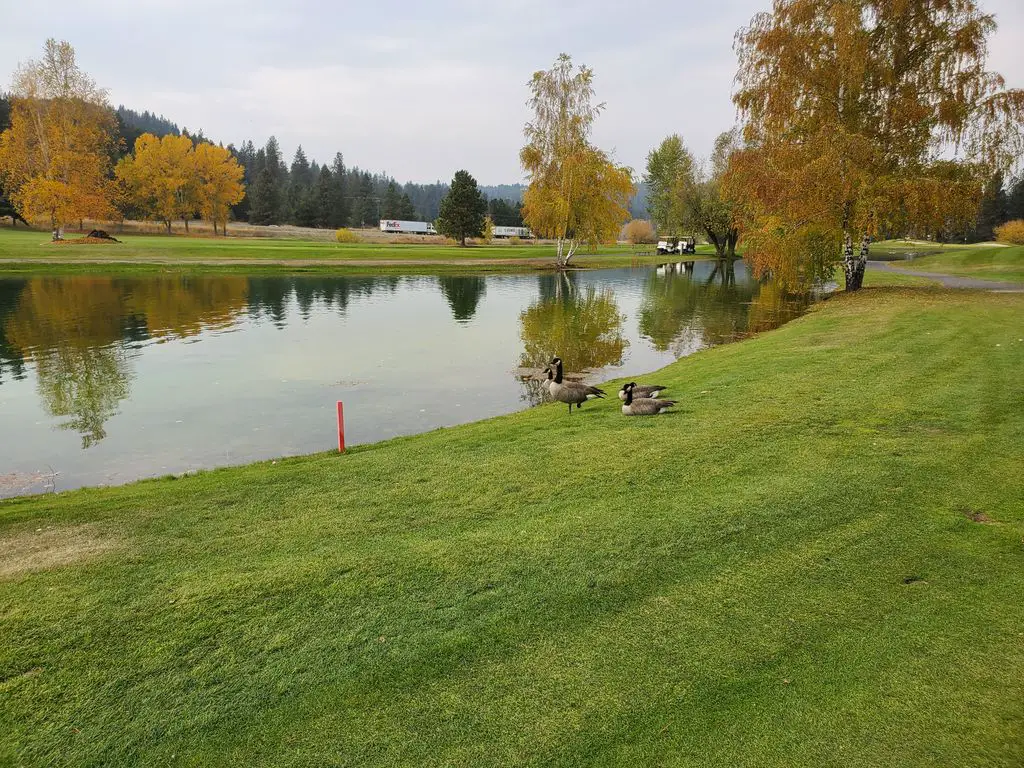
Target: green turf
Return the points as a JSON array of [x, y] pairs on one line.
[[177, 253], [990, 263], [789, 571]]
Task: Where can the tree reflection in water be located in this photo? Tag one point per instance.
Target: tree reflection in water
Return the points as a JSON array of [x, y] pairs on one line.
[[463, 295], [77, 332], [583, 327], [682, 312]]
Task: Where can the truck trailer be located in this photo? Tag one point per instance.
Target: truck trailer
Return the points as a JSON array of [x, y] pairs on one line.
[[407, 227], [523, 232]]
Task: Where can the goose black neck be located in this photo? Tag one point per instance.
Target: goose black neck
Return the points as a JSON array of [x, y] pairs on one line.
[[629, 395], [558, 372]]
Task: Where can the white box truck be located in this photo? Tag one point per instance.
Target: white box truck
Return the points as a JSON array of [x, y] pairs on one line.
[[523, 232], [407, 227]]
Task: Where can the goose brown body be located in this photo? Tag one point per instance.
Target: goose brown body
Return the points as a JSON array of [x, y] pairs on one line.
[[643, 406], [570, 392], [643, 390]]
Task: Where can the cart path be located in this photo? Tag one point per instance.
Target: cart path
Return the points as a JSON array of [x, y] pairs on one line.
[[951, 281]]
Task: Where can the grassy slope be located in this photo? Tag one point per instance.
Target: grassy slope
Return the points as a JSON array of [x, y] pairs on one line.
[[274, 254], [723, 586], [981, 260], [992, 263]]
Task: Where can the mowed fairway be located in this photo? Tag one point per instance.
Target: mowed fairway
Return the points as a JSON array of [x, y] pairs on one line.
[[985, 261], [989, 262], [817, 561], [31, 250]]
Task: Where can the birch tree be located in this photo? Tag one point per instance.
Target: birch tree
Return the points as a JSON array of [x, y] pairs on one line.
[[863, 117], [576, 193], [55, 156]]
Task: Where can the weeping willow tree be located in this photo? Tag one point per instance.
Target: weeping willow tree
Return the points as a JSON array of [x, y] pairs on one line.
[[863, 117], [576, 194]]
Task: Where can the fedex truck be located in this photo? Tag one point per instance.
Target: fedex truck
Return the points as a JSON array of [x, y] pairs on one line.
[[407, 227], [512, 232]]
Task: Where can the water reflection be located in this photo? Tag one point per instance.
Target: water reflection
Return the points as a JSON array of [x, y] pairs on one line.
[[583, 326], [684, 310], [463, 294], [408, 353], [76, 332]]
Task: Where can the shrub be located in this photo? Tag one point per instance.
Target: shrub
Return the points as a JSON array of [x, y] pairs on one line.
[[640, 231], [515, 240], [347, 236], [1011, 232]]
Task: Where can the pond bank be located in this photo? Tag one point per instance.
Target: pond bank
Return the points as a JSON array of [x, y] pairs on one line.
[[775, 574]]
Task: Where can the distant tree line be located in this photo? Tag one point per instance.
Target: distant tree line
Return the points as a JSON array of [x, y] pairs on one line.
[[307, 194]]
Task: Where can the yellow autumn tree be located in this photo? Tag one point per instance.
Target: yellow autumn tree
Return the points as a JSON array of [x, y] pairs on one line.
[[160, 179], [576, 193], [55, 156], [218, 183], [847, 108]]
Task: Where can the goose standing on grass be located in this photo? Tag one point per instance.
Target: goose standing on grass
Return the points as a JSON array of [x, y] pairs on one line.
[[643, 406], [570, 392], [643, 390]]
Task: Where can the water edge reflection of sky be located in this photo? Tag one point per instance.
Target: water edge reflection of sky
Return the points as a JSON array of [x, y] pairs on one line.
[[108, 379]]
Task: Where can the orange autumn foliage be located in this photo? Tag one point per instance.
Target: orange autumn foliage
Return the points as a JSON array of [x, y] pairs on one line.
[[863, 118]]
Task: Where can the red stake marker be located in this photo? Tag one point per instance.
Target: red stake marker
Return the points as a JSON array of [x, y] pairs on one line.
[[341, 428]]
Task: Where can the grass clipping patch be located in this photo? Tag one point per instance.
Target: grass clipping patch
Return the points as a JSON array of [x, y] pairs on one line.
[[46, 548]]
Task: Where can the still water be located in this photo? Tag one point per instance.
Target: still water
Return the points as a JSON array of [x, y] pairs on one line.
[[108, 379]]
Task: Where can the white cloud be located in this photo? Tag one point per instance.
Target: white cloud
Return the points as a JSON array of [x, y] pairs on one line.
[[417, 90]]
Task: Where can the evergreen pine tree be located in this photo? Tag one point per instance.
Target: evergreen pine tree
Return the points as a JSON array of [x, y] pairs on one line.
[[406, 210], [276, 180], [389, 207], [461, 213], [339, 202], [264, 203], [326, 189], [993, 208], [368, 204]]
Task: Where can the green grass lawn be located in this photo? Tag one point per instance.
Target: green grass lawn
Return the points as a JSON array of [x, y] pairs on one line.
[[156, 251], [816, 561], [986, 261], [990, 263]]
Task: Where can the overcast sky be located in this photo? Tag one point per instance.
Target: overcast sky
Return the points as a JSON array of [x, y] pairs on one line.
[[417, 90]]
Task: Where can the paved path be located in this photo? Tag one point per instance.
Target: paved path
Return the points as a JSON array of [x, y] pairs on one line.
[[950, 281]]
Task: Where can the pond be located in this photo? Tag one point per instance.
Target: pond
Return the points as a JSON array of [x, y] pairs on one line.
[[108, 379]]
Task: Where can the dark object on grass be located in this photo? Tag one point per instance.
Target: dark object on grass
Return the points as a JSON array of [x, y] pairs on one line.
[[643, 406], [570, 392], [101, 234]]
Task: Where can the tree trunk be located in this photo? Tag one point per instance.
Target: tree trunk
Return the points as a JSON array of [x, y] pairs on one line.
[[731, 239], [168, 223], [186, 225], [214, 227], [719, 246], [853, 266]]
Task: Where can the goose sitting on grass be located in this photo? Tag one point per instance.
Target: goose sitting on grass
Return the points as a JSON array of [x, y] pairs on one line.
[[643, 406], [545, 384], [571, 392], [642, 390]]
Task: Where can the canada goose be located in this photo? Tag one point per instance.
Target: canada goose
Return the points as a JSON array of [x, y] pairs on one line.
[[643, 406], [570, 392], [643, 390], [545, 384]]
